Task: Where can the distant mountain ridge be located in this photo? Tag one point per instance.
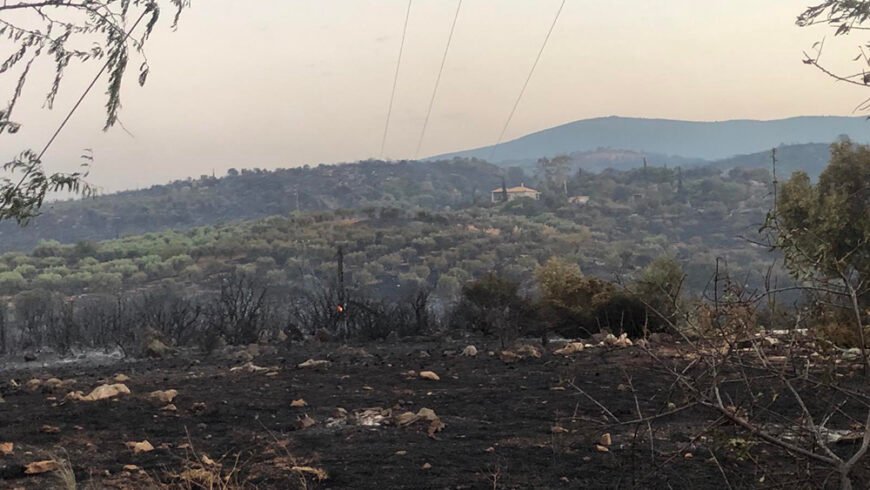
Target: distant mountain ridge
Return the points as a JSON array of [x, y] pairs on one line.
[[811, 158], [713, 140]]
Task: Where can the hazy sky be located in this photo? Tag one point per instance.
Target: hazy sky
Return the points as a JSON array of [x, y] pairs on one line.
[[280, 83]]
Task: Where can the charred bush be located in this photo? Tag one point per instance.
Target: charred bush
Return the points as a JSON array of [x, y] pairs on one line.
[[173, 313], [621, 312], [376, 319], [371, 319], [38, 317], [317, 310], [493, 306], [239, 312], [322, 313]]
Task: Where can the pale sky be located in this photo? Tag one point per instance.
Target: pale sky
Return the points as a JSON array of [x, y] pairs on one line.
[[281, 83]]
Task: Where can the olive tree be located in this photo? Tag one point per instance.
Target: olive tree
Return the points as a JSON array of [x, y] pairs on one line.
[[823, 230]]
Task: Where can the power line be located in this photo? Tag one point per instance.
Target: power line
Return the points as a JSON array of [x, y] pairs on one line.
[[528, 79], [87, 90], [438, 80], [396, 78]]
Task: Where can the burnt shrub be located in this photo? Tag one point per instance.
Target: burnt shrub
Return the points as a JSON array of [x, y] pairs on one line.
[[362, 316], [239, 313], [622, 312], [493, 306]]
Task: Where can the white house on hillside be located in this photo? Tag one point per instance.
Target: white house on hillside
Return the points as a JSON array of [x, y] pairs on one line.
[[515, 193]]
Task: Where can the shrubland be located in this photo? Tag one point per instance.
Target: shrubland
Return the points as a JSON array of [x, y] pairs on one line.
[[640, 253]]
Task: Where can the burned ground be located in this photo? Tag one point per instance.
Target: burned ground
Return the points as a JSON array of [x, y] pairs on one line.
[[528, 423]]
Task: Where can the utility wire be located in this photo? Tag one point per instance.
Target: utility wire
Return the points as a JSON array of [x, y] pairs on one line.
[[528, 79], [438, 80], [396, 79], [87, 90]]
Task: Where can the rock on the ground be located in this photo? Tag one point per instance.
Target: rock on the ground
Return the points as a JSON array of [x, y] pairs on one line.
[[623, 341], [140, 447], [520, 352], [102, 392], [852, 354], [430, 375], [312, 363], [570, 348], [163, 396], [469, 351], [40, 467]]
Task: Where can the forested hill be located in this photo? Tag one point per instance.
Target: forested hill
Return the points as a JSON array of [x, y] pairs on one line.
[[251, 194], [258, 193], [698, 216]]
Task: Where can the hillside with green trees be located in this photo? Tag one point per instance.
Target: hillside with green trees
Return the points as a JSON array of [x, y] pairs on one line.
[[390, 243], [257, 193], [411, 186]]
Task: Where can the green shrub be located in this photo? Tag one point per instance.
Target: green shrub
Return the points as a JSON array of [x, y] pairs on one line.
[[12, 282]]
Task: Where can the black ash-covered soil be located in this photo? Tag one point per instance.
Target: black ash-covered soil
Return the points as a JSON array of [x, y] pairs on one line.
[[529, 423]]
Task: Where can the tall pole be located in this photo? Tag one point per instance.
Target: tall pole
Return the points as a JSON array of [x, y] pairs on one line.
[[680, 190], [645, 177], [342, 307], [2, 330], [775, 182]]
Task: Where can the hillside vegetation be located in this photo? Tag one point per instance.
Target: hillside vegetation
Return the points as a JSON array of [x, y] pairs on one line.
[[411, 186], [396, 239], [257, 193]]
